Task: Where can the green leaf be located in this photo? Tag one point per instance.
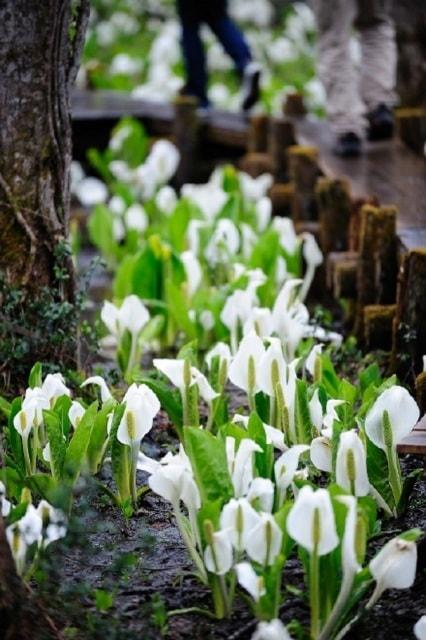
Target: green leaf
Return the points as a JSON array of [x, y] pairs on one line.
[[58, 495], [303, 417], [75, 455], [56, 441], [378, 472], [209, 464], [100, 226], [147, 275], [35, 378], [61, 408], [370, 375], [123, 351], [5, 406], [122, 284], [179, 311], [14, 439], [120, 457], [98, 436], [189, 351]]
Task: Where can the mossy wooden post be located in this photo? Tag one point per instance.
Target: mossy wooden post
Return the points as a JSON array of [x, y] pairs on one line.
[[255, 164], [294, 105], [282, 198], [304, 172], [378, 323], [334, 210], [40, 46], [421, 392], [377, 264], [186, 134], [257, 135], [409, 339], [281, 136]]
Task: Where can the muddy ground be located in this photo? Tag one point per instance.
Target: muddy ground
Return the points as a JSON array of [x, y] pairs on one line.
[[116, 578]]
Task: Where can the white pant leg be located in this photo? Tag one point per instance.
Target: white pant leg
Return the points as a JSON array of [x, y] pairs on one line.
[[378, 69], [345, 107]]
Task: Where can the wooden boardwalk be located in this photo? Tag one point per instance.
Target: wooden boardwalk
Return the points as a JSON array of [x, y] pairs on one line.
[[388, 170]]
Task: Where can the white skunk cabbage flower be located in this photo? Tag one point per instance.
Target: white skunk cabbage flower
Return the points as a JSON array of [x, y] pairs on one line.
[[285, 468], [75, 413], [394, 567], [261, 493], [250, 581], [255, 188], [244, 368], [209, 198], [420, 628], [166, 199], [311, 521], [142, 405], [351, 464], [193, 271], [240, 463], [238, 518], [132, 315], [402, 412], [218, 556], [91, 191], [264, 541], [273, 630], [99, 382]]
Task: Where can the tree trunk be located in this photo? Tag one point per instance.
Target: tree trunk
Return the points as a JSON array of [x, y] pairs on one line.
[[40, 44]]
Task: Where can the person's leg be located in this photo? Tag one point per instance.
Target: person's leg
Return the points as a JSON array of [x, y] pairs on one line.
[[230, 37], [379, 57], [237, 48], [345, 108], [193, 51]]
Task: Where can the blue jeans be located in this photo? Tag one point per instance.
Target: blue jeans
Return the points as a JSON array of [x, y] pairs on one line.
[[192, 14]]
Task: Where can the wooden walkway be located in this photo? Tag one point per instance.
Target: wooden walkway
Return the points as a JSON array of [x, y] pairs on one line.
[[387, 169]]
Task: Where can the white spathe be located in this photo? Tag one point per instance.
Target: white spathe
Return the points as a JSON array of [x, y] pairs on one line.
[[311, 521], [264, 541], [403, 415], [250, 350], [238, 518], [250, 581], [352, 459], [394, 567]]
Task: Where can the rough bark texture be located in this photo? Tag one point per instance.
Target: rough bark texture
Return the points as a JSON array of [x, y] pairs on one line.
[[40, 43], [334, 210], [409, 340], [304, 172], [39, 59]]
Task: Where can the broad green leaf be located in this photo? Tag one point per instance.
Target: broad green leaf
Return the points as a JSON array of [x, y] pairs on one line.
[[209, 464], [35, 377], [120, 457], [98, 436], [370, 375], [75, 455], [61, 408], [14, 439], [5, 406], [101, 232], [179, 311], [378, 472], [122, 284], [56, 442], [147, 275], [303, 418]]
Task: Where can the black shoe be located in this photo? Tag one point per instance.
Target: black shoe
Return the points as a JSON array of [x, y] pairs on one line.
[[381, 123], [250, 92], [348, 145]]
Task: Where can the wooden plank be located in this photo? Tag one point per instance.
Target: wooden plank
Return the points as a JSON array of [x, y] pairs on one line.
[[387, 169], [415, 443]]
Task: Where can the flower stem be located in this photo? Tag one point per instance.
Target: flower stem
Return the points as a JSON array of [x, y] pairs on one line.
[[35, 448], [28, 467], [314, 594], [394, 474]]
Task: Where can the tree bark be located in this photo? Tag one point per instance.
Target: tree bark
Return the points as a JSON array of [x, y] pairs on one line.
[[40, 45], [39, 49]]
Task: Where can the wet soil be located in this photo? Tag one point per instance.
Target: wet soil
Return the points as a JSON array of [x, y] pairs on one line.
[[116, 578]]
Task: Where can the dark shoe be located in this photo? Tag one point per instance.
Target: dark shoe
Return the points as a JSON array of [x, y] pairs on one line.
[[381, 123], [348, 145], [250, 92]]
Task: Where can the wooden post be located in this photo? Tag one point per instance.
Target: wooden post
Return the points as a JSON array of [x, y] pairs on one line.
[[421, 392], [282, 197], [341, 273], [378, 322], [257, 135], [355, 221], [294, 105], [377, 264], [281, 136], [409, 338], [334, 210], [255, 164], [304, 171], [186, 133]]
